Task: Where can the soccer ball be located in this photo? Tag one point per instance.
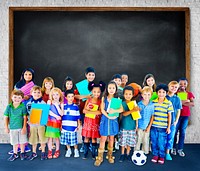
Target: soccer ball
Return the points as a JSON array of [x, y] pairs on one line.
[[139, 158]]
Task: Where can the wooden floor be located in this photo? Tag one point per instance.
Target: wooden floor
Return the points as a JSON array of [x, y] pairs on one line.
[[190, 162]]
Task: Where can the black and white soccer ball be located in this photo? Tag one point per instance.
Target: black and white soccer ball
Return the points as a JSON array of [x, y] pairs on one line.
[[139, 158]]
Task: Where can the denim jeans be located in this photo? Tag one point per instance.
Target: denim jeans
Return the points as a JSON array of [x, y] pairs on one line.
[[170, 137], [158, 140], [181, 128]]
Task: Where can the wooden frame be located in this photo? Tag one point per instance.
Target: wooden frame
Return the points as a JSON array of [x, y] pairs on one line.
[[11, 28]]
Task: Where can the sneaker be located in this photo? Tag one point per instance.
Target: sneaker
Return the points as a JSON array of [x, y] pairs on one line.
[[173, 151], [154, 159], [129, 158], [43, 156], [161, 160], [181, 153], [32, 156], [76, 153], [68, 153], [122, 158], [23, 156], [27, 149], [168, 156], [13, 157], [82, 148], [18, 151]]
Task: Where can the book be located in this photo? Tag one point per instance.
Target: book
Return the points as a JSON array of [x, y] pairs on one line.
[[154, 96], [93, 107], [27, 88], [82, 87], [135, 115], [182, 95], [44, 108], [115, 104], [35, 116]]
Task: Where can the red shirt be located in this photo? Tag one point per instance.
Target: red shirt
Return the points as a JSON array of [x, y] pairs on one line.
[[185, 111]]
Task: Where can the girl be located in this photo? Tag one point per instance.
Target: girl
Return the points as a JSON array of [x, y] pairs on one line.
[[47, 85], [108, 125], [91, 125], [54, 121], [149, 80], [27, 77]]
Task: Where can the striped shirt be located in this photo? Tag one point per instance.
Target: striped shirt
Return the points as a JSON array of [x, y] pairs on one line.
[[161, 111], [70, 118]]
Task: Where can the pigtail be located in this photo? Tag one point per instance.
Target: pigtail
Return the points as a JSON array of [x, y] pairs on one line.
[[102, 86], [91, 85]]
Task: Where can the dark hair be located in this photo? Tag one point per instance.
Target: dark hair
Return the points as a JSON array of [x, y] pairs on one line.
[[162, 86], [128, 88], [182, 79], [68, 78], [17, 93], [116, 76], [89, 69], [145, 81], [101, 85], [68, 92], [106, 91], [22, 81]]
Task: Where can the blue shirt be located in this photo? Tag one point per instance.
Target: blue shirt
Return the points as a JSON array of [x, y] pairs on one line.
[[146, 112], [176, 103]]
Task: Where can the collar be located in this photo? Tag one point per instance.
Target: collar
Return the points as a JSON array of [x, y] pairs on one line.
[[36, 101], [165, 100], [11, 104]]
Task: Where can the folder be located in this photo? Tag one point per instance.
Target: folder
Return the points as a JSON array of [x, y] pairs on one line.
[[135, 115], [35, 116], [182, 95], [82, 87], [27, 88], [93, 107], [115, 103], [44, 108], [154, 96]]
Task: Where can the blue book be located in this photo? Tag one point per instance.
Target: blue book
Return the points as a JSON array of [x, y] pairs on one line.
[[82, 87], [115, 103]]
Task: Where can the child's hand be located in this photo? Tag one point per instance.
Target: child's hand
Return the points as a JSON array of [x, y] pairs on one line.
[[58, 117], [168, 130], [26, 97], [23, 131], [175, 123], [7, 130], [112, 117], [111, 111], [147, 130], [135, 109]]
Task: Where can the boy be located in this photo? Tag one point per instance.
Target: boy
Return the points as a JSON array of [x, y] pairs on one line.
[[184, 117], [128, 126], [117, 78], [70, 124], [16, 118], [124, 80], [176, 102], [161, 121], [37, 132], [146, 111]]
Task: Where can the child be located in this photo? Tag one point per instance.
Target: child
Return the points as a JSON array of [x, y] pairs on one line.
[[70, 124], [90, 128], [37, 132], [128, 126], [124, 80], [108, 125], [176, 102], [16, 117], [47, 85], [149, 80], [146, 111], [26, 77], [90, 76], [54, 121], [117, 78], [184, 117], [161, 121]]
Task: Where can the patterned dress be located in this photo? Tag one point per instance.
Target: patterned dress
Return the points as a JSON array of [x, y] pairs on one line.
[[91, 126]]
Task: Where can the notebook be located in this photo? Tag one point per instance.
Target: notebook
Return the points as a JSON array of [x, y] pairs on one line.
[[135, 115]]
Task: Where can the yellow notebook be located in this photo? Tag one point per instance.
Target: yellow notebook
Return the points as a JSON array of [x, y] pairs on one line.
[[93, 107], [135, 115], [35, 116]]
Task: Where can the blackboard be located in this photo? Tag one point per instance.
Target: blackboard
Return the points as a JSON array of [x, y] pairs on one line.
[[58, 43]]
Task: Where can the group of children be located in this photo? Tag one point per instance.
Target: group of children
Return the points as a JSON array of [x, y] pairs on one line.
[[162, 115]]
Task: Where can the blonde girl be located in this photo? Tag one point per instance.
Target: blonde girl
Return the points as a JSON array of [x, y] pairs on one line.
[[54, 121], [47, 85]]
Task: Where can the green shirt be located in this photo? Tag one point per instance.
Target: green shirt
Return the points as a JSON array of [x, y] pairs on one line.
[[15, 115], [127, 122]]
